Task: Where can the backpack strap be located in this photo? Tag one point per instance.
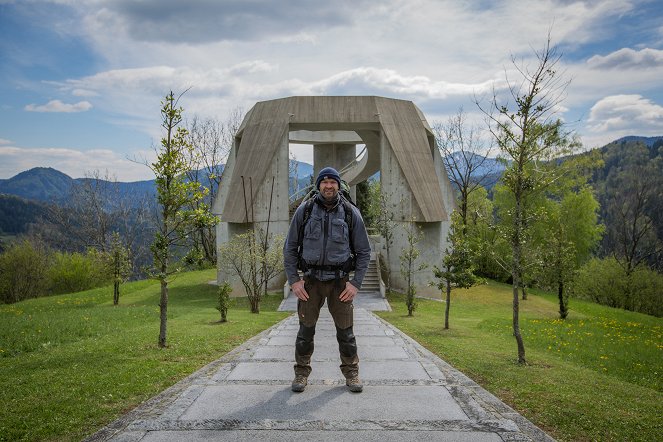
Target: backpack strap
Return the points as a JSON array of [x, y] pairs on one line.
[[308, 208]]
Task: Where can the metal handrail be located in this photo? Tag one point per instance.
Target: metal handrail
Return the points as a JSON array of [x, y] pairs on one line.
[[352, 163]]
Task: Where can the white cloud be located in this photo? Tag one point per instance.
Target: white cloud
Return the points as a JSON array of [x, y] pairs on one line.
[[627, 58], [59, 106], [626, 114], [74, 163], [3, 141], [83, 93]]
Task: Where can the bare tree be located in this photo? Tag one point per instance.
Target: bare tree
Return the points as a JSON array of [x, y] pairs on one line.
[[211, 141], [632, 230], [254, 260], [527, 131], [465, 155], [97, 207]]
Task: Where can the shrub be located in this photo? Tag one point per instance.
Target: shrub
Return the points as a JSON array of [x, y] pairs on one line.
[[23, 271], [223, 300], [74, 272], [605, 281]]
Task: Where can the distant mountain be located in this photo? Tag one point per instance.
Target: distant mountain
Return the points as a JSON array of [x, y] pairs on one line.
[[40, 184], [46, 184]]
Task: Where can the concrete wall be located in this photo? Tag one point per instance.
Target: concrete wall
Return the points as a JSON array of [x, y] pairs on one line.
[[276, 221], [402, 204]]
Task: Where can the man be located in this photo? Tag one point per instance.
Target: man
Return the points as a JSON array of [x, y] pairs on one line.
[[327, 243]]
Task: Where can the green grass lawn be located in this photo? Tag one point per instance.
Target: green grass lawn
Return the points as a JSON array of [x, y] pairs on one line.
[[70, 364], [597, 375]]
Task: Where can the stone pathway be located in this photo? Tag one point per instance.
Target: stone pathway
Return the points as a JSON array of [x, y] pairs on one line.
[[409, 394]]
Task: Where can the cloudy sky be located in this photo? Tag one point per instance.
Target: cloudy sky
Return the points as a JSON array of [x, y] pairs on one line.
[[81, 80]]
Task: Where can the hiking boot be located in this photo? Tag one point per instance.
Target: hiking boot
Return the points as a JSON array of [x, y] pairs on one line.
[[299, 384], [354, 384]]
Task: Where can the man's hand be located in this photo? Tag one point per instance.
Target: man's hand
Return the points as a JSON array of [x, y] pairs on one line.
[[349, 293], [299, 290]]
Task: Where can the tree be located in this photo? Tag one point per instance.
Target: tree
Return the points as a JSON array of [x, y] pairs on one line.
[[526, 130], [211, 141], [254, 264], [465, 156], [572, 232], [408, 257], [483, 237], [24, 271], [97, 207], [118, 263], [458, 267], [223, 301], [176, 196], [633, 201]]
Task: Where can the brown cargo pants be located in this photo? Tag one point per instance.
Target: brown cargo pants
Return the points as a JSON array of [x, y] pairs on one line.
[[309, 311]]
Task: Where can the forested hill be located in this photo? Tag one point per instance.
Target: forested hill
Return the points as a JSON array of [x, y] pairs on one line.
[[629, 188], [17, 213]]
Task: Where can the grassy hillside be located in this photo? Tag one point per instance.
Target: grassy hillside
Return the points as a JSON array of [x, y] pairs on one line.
[[594, 376], [70, 364]]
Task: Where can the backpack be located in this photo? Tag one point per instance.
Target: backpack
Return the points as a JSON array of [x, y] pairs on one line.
[[350, 264]]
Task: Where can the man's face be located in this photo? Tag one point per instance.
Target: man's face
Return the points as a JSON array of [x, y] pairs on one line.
[[328, 188]]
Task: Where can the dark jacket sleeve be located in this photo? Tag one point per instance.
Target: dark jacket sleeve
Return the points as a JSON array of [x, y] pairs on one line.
[[290, 247], [362, 247]]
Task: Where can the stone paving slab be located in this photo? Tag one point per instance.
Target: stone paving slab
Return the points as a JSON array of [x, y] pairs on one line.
[[369, 370], [324, 436], [323, 403], [409, 394], [330, 352]]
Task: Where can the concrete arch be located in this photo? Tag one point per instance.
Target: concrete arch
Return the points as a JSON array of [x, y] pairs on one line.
[[399, 144]]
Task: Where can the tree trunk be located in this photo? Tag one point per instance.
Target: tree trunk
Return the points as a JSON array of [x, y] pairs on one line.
[[116, 292], [446, 310], [524, 292], [163, 308], [516, 272], [563, 308], [388, 267]]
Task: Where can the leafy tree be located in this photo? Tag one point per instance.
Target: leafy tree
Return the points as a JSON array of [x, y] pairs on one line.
[[223, 300], [24, 271], [254, 264], [605, 281], [465, 156], [527, 132], [178, 198], [75, 272], [483, 237], [458, 261], [408, 258], [572, 232], [118, 264]]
